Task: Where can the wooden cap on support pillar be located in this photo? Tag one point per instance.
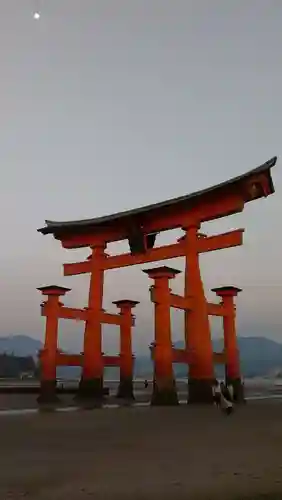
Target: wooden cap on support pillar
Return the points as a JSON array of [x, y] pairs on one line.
[[53, 290], [162, 272], [227, 291], [126, 303]]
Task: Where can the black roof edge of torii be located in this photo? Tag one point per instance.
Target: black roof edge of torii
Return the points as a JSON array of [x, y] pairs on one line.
[[53, 227]]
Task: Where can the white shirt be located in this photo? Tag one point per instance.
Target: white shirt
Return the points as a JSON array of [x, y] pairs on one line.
[[224, 402], [231, 391], [216, 390]]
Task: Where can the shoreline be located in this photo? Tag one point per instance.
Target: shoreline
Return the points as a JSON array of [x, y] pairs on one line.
[[112, 405]]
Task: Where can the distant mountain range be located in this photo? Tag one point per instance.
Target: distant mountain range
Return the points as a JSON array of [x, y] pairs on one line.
[[259, 356], [20, 345]]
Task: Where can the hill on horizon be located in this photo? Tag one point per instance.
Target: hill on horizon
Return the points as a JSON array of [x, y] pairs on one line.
[[20, 345], [259, 356]]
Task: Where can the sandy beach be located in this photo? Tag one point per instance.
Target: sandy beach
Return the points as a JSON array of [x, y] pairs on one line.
[[143, 453]]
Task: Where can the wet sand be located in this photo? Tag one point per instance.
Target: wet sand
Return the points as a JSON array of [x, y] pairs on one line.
[[143, 453], [253, 389]]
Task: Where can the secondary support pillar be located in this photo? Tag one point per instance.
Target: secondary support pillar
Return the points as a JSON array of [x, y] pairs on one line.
[[164, 387], [48, 355], [197, 328], [232, 367], [91, 383], [125, 389]]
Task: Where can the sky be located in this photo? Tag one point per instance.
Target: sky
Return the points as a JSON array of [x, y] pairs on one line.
[[108, 105]]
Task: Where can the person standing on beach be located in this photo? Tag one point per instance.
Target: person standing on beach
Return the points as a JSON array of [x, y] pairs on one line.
[[216, 393], [225, 391], [230, 390], [225, 403]]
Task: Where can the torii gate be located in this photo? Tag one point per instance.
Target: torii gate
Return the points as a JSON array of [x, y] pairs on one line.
[[141, 227]]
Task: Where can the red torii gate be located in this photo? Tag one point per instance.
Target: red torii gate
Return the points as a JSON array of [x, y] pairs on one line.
[[140, 227]]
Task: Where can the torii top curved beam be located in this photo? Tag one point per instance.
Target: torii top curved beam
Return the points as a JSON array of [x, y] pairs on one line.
[[214, 202]]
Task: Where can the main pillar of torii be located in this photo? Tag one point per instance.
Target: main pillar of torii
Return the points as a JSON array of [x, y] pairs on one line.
[[140, 228]]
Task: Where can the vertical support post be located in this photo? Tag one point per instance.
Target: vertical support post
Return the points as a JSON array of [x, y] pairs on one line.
[[91, 383], [164, 387], [152, 356], [48, 355], [197, 327], [232, 369], [125, 389]]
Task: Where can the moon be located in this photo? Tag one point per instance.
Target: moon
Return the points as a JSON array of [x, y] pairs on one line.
[[36, 16]]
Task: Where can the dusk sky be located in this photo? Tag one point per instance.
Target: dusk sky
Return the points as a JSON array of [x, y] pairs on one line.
[[108, 105]]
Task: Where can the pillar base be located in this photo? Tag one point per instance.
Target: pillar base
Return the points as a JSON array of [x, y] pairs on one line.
[[238, 389], [200, 391], [164, 395], [125, 388], [90, 390], [47, 393]]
